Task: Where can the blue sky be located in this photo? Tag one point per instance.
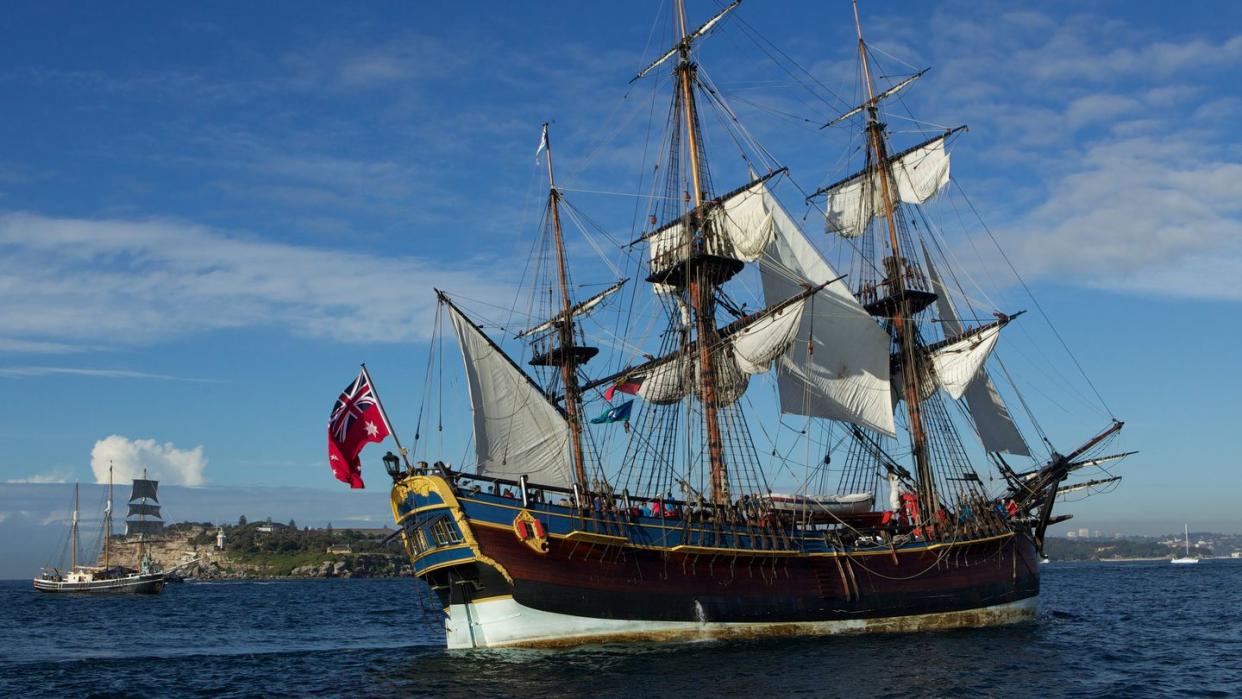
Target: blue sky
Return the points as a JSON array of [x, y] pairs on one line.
[[209, 214]]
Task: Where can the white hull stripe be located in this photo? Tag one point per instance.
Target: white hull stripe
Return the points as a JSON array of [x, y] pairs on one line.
[[503, 622]]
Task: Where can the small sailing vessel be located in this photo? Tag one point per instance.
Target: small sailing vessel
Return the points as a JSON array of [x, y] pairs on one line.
[[1187, 559], [553, 537], [105, 576]]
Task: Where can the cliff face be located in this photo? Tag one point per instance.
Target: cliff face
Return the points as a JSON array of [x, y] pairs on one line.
[[181, 552], [169, 550]]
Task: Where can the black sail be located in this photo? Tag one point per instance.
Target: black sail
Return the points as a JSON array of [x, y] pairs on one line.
[[144, 510], [144, 489]]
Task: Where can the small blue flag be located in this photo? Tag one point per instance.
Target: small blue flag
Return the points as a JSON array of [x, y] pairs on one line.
[[621, 413]]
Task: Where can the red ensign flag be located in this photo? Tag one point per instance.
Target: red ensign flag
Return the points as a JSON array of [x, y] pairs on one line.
[[356, 420]]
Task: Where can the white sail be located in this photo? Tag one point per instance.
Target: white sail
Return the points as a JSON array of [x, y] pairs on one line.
[[731, 382], [747, 221], [577, 311], [517, 431], [759, 344], [957, 364], [993, 422], [740, 227], [838, 364], [918, 176], [666, 383]]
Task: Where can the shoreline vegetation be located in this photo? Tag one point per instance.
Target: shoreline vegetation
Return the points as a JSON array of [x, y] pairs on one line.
[[271, 550], [1114, 550]]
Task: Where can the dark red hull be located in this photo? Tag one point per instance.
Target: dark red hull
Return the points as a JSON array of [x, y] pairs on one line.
[[614, 582]]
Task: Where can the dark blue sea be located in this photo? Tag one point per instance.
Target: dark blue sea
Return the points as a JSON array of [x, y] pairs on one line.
[[1104, 630]]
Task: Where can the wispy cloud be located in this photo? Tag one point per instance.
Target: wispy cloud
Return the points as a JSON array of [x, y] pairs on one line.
[[32, 371], [136, 282], [55, 476], [15, 346]]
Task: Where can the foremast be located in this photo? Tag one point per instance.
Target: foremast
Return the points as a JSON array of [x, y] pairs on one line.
[[902, 318], [569, 359]]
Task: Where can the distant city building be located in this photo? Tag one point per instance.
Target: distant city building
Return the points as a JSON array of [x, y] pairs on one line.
[[1071, 534], [1084, 533]]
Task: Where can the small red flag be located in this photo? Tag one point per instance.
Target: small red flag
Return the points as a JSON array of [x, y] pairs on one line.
[[356, 421], [629, 386]]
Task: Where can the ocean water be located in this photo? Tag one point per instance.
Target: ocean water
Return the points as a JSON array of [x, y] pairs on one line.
[[1104, 629]]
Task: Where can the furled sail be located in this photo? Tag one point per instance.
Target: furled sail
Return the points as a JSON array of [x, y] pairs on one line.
[[759, 344], [666, 383], [993, 422], [918, 175], [738, 225], [579, 310], [730, 383], [838, 364], [517, 431], [144, 489], [740, 354], [144, 510]]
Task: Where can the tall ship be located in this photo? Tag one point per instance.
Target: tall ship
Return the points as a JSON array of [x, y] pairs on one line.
[[105, 576], [662, 517]]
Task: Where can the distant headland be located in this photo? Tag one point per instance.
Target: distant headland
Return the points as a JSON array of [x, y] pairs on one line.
[[267, 549]]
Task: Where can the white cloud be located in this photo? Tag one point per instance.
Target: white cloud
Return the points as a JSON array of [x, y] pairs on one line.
[[55, 476], [135, 282], [163, 462], [1141, 214]]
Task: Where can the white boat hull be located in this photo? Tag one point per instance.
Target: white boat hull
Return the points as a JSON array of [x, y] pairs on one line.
[[501, 622], [150, 583]]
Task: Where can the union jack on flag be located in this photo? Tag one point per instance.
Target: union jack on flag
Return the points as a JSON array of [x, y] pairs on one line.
[[357, 419], [354, 401]]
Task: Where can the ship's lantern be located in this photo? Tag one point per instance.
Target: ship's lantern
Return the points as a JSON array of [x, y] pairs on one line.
[[392, 464]]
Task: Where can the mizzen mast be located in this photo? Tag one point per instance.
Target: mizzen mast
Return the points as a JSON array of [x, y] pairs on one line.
[[901, 312], [569, 358]]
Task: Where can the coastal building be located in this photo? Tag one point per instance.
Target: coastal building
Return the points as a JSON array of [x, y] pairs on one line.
[[220, 539]]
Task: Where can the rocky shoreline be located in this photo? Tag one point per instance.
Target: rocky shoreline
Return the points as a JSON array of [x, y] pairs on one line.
[[190, 553]]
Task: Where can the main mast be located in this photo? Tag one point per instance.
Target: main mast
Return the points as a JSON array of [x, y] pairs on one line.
[[903, 324], [700, 286], [565, 328]]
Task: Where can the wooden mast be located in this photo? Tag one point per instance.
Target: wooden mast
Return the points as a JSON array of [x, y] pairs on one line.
[[902, 323], [73, 531], [108, 522], [569, 367], [700, 287]]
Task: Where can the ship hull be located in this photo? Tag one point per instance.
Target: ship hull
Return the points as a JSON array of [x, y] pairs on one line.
[[645, 579], [150, 584]]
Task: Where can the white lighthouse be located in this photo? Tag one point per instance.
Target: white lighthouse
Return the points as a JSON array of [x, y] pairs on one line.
[[220, 539]]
